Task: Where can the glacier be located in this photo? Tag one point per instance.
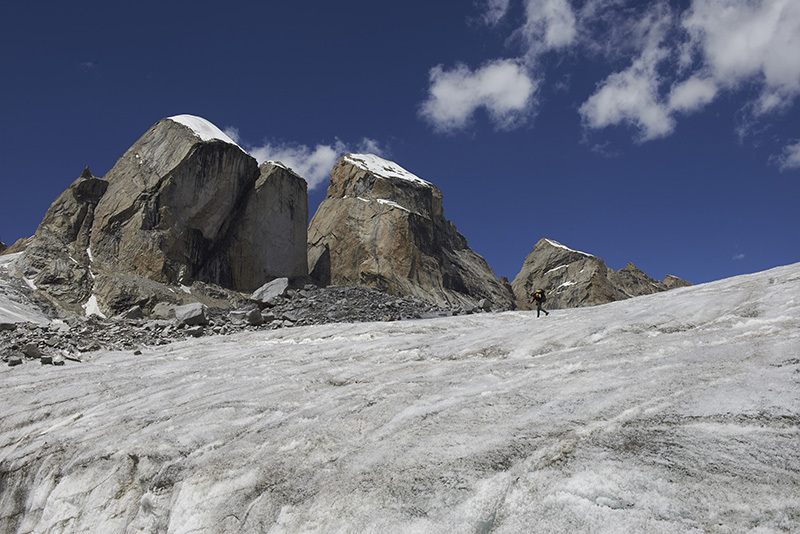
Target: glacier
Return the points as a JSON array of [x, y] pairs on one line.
[[673, 412]]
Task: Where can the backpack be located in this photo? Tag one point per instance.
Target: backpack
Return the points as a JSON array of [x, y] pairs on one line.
[[539, 295]]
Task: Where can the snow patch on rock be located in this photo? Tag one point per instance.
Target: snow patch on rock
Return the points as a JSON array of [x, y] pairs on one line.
[[92, 308], [202, 128], [559, 245], [383, 168]]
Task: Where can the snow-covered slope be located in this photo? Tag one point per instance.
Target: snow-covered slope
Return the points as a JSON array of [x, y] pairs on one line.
[[674, 412], [14, 306]]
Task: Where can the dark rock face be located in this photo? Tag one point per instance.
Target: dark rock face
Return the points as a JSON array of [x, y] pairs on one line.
[[267, 238], [573, 279], [57, 258], [3, 246], [183, 206], [380, 226]]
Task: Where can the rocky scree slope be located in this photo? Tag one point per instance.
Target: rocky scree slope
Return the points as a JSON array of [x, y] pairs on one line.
[[73, 339]]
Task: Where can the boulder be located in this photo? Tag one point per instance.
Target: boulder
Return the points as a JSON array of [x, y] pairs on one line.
[[31, 351], [381, 226], [254, 317], [133, 314], [191, 314], [266, 294], [571, 278], [163, 310]]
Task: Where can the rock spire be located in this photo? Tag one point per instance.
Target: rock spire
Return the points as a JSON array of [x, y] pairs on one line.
[[381, 226]]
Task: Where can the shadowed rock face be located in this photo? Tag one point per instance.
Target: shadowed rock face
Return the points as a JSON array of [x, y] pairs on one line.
[[181, 205], [381, 226], [574, 279], [266, 239], [57, 258]]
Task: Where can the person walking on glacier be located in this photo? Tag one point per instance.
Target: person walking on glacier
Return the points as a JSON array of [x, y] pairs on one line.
[[540, 298]]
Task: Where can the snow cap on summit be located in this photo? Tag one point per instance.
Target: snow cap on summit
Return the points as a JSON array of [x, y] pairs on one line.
[[559, 245], [383, 168], [202, 128]]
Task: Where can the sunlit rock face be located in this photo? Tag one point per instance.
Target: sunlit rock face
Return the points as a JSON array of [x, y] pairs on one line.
[[571, 279], [671, 412], [183, 204], [169, 203], [381, 226]]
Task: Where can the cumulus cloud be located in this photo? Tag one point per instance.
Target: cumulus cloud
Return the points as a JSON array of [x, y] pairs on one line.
[[789, 159], [314, 164], [745, 40], [549, 25], [632, 96], [629, 97], [503, 88], [676, 61], [692, 94]]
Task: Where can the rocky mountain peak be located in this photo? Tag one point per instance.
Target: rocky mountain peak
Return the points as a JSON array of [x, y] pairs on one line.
[[382, 226], [370, 178], [572, 278], [182, 204]]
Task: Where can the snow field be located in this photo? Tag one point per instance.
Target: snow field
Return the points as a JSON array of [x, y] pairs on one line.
[[674, 412]]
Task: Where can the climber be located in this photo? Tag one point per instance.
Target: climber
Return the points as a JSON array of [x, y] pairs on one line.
[[540, 298]]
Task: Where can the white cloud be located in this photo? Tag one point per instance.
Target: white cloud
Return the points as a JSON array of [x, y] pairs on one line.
[[495, 10], [629, 97], [742, 41], [549, 25], [502, 87], [313, 164], [790, 159], [632, 96], [692, 94], [677, 59], [233, 133], [738, 257]]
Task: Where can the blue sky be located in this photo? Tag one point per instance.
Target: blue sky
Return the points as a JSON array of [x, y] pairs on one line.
[[665, 133]]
